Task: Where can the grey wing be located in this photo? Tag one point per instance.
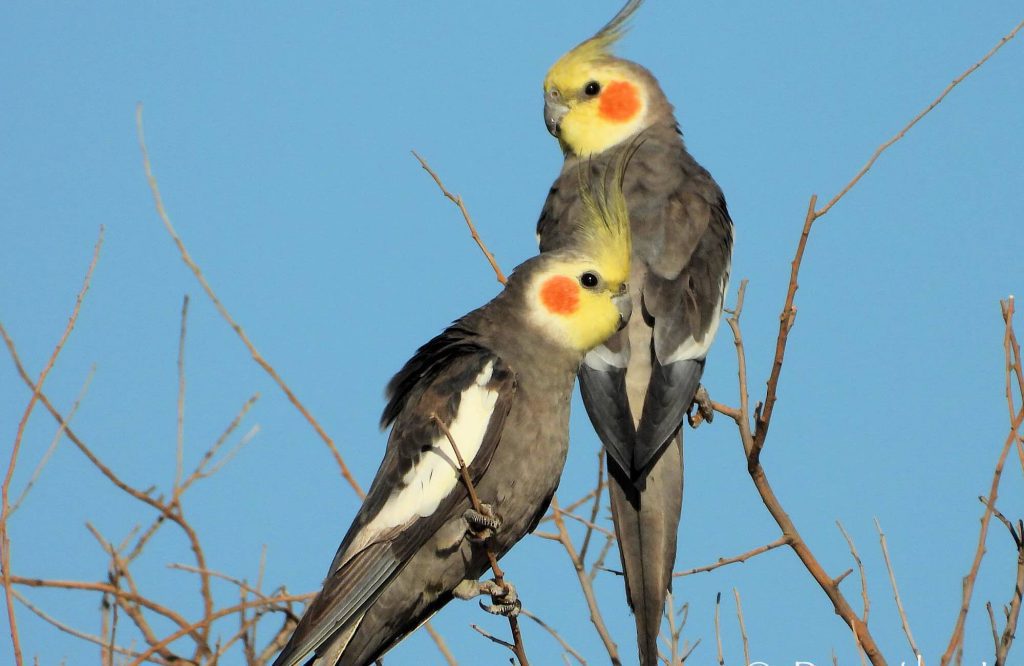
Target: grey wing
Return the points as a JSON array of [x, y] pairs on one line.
[[683, 293], [414, 493], [603, 388]]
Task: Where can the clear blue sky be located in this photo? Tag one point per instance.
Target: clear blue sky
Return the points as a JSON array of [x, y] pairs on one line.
[[281, 138]]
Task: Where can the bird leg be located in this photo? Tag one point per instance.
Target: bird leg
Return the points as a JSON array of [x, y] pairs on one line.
[[705, 410], [482, 524], [505, 598]]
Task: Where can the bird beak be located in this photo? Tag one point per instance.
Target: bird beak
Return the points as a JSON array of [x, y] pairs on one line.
[[624, 304], [553, 114]]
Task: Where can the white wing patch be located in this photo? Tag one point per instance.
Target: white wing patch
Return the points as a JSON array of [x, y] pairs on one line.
[[690, 349], [437, 472], [602, 358]]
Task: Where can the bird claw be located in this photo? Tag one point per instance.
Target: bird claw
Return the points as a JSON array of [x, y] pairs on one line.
[[504, 595], [482, 524], [705, 410], [505, 598]]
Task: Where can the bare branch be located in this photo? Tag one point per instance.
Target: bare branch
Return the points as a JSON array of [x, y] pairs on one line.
[[722, 561], [957, 637], [457, 200], [239, 331], [179, 469], [718, 629], [554, 634], [37, 472], [499, 576], [5, 543], [896, 591], [586, 585], [91, 638], [743, 626], [860, 570], [442, 645], [899, 135]]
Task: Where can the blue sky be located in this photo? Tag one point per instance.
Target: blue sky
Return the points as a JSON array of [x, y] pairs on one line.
[[281, 135]]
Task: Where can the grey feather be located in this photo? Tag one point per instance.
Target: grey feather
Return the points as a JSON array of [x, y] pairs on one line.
[[669, 396]]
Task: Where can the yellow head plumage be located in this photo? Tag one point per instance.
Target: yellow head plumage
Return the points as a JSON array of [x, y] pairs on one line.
[[581, 295], [592, 100]]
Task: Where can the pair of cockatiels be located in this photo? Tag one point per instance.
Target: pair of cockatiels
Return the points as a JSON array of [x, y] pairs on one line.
[[500, 378]]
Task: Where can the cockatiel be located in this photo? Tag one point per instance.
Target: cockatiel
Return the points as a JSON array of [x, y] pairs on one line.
[[500, 379], [639, 384]]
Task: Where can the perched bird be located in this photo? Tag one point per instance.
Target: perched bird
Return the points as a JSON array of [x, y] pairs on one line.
[[638, 386], [500, 380]]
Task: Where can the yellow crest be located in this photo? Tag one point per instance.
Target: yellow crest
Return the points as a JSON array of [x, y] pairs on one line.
[[597, 47], [604, 232]]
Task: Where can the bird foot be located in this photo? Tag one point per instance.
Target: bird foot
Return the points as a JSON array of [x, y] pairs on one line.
[[482, 524], [503, 595], [705, 409]]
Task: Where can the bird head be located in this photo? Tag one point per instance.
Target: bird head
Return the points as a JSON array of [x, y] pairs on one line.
[[593, 100], [579, 295]]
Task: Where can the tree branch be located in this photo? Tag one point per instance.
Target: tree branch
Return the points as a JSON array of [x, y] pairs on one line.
[[499, 576], [5, 542], [457, 200]]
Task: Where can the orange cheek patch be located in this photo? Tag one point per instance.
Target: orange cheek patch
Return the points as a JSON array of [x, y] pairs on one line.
[[560, 295], [619, 101]]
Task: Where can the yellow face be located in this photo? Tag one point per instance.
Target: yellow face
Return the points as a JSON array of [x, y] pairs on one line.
[[593, 105], [578, 304]]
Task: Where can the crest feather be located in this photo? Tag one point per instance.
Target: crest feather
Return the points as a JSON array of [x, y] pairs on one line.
[[600, 45], [604, 227]]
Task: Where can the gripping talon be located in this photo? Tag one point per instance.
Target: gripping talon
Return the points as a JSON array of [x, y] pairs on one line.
[[482, 524], [504, 597], [705, 410], [505, 610]]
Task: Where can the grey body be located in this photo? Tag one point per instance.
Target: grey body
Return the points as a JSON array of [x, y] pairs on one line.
[[376, 593], [682, 246]]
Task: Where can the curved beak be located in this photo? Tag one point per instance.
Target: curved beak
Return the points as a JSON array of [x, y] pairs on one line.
[[624, 304], [553, 114]]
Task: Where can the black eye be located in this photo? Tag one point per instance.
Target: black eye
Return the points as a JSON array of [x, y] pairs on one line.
[[589, 280], [592, 88]]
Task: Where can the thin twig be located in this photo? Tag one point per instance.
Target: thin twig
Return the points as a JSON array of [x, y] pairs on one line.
[[718, 629], [860, 570], [743, 557], [499, 575], [829, 585], [239, 331], [457, 200], [595, 507], [957, 637], [586, 585], [896, 592], [554, 634], [441, 644], [743, 626], [37, 472], [899, 135], [209, 619], [68, 629], [5, 543], [179, 469]]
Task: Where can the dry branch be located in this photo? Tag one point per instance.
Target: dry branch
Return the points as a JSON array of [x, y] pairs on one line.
[[753, 442], [499, 576], [5, 507], [586, 584], [743, 557], [457, 200], [896, 591], [957, 637], [743, 626], [237, 328]]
